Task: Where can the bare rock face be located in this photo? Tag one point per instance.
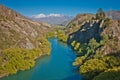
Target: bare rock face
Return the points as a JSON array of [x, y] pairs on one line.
[[27, 44], [97, 29], [112, 46], [91, 29], [78, 21], [18, 31]]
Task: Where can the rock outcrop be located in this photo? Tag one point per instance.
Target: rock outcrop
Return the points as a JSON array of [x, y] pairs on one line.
[[78, 21], [98, 29], [112, 45], [91, 29]]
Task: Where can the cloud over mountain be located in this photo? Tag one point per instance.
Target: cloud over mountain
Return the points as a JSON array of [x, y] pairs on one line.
[[41, 15], [52, 18]]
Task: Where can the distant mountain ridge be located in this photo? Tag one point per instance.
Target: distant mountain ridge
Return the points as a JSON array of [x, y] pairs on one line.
[[56, 19], [114, 14]]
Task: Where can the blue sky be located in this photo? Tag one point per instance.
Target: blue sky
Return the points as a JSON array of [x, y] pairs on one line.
[[65, 7]]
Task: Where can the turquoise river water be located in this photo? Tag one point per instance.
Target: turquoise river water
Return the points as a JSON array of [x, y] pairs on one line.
[[57, 66]]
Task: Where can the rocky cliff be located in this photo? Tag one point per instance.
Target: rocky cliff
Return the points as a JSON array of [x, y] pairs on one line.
[[112, 33], [78, 21], [97, 29], [18, 31]]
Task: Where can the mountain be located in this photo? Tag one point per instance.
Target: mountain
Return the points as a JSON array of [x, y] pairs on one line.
[[56, 19], [113, 14], [85, 27], [96, 41], [78, 21], [18, 31]]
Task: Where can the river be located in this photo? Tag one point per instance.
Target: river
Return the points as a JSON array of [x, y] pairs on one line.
[[57, 66]]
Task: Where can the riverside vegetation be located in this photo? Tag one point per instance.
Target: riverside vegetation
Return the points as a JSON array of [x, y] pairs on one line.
[[22, 41], [93, 65], [59, 33], [14, 59], [97, 44], [92, 62]]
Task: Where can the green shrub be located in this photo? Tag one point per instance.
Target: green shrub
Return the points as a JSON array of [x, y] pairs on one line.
[[73, 43], [44, 45], [112, 74], [92, 67], [62, 36], [107, 22]]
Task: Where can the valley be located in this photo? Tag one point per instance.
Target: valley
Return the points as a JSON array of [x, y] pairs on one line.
[[86, 47], [57, 66]]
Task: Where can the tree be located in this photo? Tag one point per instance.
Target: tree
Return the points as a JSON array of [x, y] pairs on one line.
[[92, 47], [77, 46], [62, 36], [44, 45], [100, 14], [93, 44], [15, 59], [112, 74], [73, 43], [79, 61], [92, 67]]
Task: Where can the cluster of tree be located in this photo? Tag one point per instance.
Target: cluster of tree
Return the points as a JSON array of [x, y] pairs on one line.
[[60, 34], [93, 65], [100, 14], [88, 49], [15, 59], [106, 68], [106, 22], [51, 34], [111, 74], [92, 61], [44, 45], [85, 50]]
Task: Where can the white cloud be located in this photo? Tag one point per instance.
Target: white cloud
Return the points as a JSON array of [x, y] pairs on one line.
[[39, 15], [44, 16], [55, 15]]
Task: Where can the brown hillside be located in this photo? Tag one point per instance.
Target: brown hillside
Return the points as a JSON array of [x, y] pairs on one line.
[[18, 31]]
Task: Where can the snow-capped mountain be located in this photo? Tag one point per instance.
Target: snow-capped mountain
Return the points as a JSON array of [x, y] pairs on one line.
[[52, 18]]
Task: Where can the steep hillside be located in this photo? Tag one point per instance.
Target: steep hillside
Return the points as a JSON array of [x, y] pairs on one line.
[[78, 21], [112, 35], [18, 31], [22, 41], [98, 29], [97, 43], [91, 29]]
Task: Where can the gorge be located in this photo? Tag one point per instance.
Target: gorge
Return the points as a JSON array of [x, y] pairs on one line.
[[57, 66], [88, 48]]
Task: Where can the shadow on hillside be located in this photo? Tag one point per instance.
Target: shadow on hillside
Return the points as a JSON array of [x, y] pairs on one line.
[[87, 32], [110, 75]]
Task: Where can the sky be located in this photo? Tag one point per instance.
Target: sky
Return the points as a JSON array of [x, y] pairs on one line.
[[64, 7]]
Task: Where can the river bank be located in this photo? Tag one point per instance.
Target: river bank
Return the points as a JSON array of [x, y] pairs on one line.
[[7, 74], [57, 66]]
